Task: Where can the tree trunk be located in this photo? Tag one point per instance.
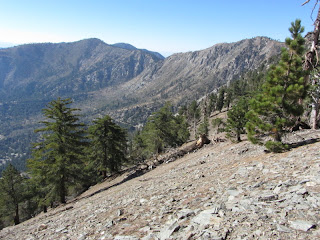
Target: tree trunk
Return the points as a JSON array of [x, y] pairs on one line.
[[238, 137], [194, 126], [277, 136], [310, 64], [63, 191], [16, 217], [314, 115]]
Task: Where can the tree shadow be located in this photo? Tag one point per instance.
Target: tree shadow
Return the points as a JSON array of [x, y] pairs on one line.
[[303, 143]]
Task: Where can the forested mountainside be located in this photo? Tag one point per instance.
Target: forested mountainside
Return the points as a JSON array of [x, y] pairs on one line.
[[124, 82], [32, 75]]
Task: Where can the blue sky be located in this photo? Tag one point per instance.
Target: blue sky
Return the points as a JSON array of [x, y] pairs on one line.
[[165, 26]]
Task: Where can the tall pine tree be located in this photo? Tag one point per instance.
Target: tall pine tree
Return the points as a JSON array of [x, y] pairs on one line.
[[220, 100], [237, 120], [12, 194], [58, 159], [276, 109], [194, 113], [108, 145]]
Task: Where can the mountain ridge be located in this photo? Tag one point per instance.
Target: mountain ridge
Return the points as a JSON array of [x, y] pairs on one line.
[[32, 67], [131, 47], [193, 73]]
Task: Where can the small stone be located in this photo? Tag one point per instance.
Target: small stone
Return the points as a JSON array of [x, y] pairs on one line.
[[62, 229], [145, 229], [234, 192], [150, 236], [207, 217], [268, 197], [167, 231], [301, 225], [258, 184], [304, 181], [302, 191], [282, 228], [125, 238], [184, 213], [122, 219], [42, 227], [311, 184], [82, 236], [119, 212], [109, 224], [277, 190], [142, 200]]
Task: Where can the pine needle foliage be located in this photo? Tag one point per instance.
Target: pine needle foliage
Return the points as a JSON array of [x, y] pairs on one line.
[[57, 160], [12, 194], [108, 145], [276, 109], [236, 121], [161, 131]]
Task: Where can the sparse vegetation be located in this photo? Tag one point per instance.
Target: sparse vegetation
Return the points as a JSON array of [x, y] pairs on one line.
[[70, 156]]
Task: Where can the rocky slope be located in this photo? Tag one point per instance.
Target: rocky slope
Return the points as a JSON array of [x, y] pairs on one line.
[[184, 77], [195, 73], [222, 191]]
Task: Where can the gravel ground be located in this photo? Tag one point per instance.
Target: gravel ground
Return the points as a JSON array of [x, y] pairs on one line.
[[222, 191]]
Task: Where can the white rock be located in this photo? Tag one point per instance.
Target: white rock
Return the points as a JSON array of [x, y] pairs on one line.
[[167, 231], [125, 238], [301, 225]]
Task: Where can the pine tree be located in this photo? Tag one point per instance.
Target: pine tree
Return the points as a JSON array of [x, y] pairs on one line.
[[203, 127], [229, 97], [183, 110], [219, 124], [108, 145], [58, 160], [162, 130], [212, 103], [278, 106], [182, 131], [137, 153], [194, 114], [236, 120], [11, 193], [220, 100]]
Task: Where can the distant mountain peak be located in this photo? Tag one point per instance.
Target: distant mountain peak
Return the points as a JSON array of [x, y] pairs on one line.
[[125, 46], [132, 48]]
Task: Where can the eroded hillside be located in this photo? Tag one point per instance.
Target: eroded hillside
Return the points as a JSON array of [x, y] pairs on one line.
[[222, 191]]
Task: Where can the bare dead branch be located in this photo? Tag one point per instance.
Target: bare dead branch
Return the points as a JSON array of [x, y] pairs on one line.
[[309, 57], [314, 7], [317, 56], [305, 2]]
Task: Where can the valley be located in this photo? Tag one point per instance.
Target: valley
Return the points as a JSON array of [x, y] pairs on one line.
[[124, 82]]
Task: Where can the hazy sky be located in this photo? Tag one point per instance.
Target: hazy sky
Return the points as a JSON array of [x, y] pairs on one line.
[[165, 26]]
